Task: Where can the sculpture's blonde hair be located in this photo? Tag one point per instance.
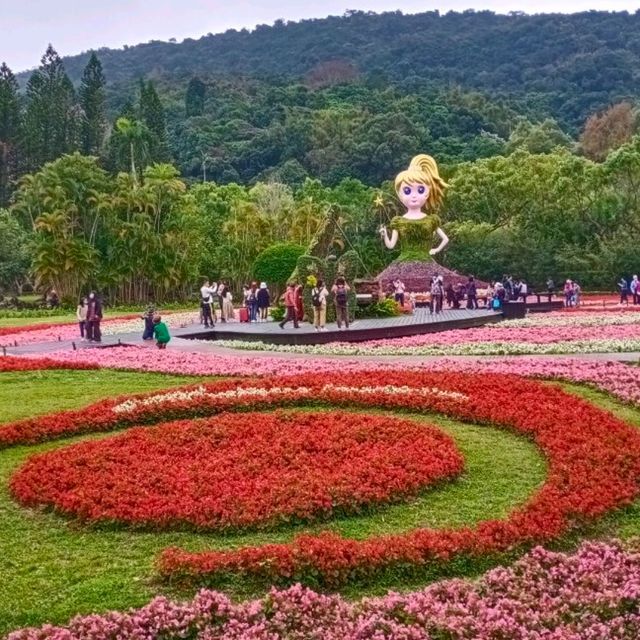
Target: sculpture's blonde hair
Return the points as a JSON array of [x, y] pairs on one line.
[[424, 170]]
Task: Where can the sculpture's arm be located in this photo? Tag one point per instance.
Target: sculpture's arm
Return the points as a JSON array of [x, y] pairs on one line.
[[389, 241], [444, 241]]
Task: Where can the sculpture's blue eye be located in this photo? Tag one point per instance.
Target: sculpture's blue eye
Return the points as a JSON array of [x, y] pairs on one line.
[[407, 191], [421, 189]]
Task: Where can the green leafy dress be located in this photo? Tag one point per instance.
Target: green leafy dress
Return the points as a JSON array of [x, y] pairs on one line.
[[415, 237]]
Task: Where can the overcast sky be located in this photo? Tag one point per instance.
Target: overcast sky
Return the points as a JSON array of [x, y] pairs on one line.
[[72, 26]]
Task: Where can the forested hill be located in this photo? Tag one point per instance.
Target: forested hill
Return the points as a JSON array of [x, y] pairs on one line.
[[576, 63]]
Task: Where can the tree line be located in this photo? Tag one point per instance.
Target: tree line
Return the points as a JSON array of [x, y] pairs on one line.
[[246, 130], [152, 236]]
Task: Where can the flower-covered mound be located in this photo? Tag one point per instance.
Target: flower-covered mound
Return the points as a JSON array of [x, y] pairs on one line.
[[593, 458], [590, 595], [229, 471]]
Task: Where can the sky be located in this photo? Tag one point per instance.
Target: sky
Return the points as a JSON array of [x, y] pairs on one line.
[[73, 26]]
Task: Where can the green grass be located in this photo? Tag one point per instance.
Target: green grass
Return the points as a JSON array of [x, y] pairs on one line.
[[30, 393], [52, 568], [25, 320]]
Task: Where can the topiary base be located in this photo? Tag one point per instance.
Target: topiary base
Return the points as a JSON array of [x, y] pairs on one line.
[[417, 276]]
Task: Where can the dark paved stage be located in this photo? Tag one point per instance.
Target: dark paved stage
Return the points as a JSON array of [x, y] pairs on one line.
[[420, 322]]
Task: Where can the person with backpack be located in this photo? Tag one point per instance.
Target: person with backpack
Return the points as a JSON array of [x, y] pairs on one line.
[[319, 295], [340, 291]]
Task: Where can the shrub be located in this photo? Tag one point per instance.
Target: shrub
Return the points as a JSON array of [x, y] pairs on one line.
[[275, 265]]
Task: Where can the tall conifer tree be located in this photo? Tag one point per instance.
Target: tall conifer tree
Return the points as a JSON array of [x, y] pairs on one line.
[[52, 115], [92, 102], [9, 131], [152, 115]]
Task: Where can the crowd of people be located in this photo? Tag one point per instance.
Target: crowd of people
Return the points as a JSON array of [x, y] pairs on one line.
[[216, 303], [89, 315]]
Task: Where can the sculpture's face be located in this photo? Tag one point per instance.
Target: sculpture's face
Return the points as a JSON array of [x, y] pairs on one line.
[[413, 196]]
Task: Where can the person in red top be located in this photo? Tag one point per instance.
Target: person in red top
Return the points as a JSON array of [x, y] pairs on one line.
[[290, 303]]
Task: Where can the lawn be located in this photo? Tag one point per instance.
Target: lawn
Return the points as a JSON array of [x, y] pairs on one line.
[[53, 568]]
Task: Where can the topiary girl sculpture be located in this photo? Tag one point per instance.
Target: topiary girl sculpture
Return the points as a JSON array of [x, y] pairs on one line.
[[419, 186]]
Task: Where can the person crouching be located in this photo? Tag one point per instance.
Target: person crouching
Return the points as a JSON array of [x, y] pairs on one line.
[[160, 332]]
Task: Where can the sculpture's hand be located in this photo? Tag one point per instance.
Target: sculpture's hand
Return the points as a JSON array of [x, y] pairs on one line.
[[432, 252], [382, 231]]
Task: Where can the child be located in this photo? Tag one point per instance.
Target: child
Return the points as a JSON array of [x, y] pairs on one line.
[[160, 332]]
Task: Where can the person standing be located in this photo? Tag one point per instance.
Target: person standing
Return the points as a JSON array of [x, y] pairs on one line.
[[340, 291], [437, 295], [551, 288], [398, 291], [264, 300], [319, 295], [577, 291], [160, 332], [568, 293], [290, 304], [81, 314], [252, 302], [148, 316], [299, 303], [624, 291], [94, 316], [634, 287], [206, 302], [222, 290], [227, 305], [524, 291], [488, 295], [472, 294]]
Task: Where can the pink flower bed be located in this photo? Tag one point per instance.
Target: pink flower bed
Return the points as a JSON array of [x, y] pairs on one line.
[[621, 380], [498, 333], [590, 595], [198, 364]]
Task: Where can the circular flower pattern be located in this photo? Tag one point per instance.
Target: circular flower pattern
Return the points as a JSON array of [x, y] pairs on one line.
[[251, 469], [593, 464]]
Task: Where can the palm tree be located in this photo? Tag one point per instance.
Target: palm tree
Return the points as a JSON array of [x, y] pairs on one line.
[[136, 134]]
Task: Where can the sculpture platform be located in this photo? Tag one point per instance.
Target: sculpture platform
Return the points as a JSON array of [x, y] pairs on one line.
[[420, 322]]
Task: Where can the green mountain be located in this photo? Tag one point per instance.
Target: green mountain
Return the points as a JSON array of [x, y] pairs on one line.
[[569, 65]]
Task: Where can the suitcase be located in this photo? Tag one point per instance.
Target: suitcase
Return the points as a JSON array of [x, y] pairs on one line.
[[243, 314]]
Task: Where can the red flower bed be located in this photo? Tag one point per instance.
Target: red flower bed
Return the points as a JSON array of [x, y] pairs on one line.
[[11, 363], [594, 463], [237, 471]]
